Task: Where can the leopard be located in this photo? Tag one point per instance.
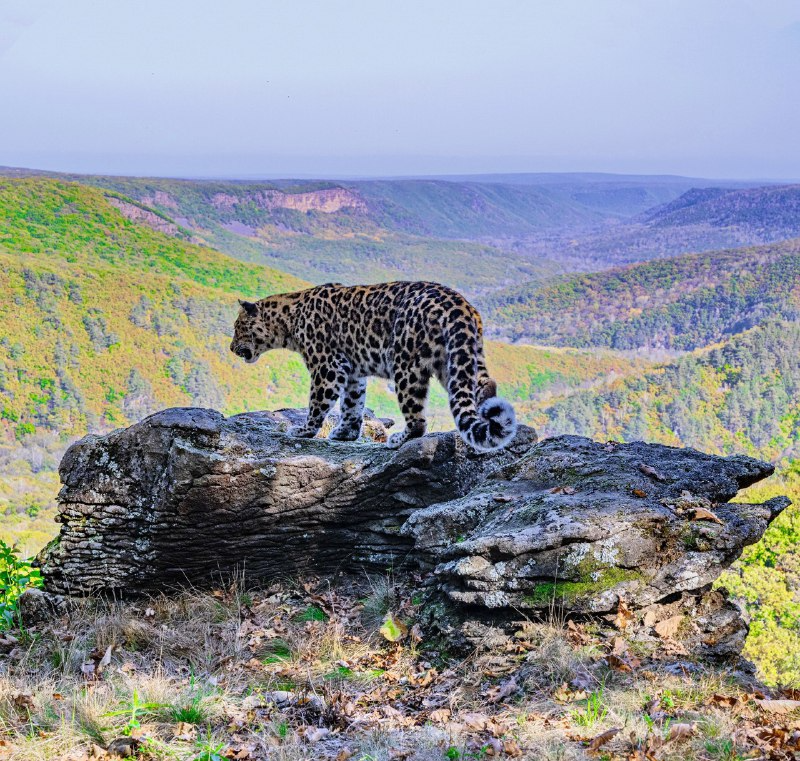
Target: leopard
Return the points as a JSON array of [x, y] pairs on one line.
[[406, 332]]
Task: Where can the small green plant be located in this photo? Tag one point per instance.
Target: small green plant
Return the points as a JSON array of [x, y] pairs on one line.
[[455, 754], [209, 750], [190, 713], [340, 672], [593, 711], [312, 613], [135, 710], [723, 750], [16, 575], [278, 651]]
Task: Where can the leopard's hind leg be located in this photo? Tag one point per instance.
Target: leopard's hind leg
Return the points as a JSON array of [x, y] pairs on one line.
[[353, 400], [412, 384]]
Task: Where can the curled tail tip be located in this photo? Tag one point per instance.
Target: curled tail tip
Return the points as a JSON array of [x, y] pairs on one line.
[[497, 426]]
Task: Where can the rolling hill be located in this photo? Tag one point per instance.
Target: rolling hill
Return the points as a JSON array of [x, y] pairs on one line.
[[701, 219], [478, 234], [679, 303], [772, 211], [322, 231], [739, 396]]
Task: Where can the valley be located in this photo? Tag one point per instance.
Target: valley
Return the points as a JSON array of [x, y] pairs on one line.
[[121, 293]]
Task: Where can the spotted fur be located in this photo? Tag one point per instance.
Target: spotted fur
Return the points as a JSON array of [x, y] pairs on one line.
[[407, 332]]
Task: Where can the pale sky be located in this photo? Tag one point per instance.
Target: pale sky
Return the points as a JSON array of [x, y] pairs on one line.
[[246, 88]]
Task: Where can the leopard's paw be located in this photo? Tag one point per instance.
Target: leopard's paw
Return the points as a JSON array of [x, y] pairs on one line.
[[396, 440], [301, 432], [345, 433]]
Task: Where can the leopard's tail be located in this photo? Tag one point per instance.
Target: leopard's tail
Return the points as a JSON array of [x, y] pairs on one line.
[[485, 421]]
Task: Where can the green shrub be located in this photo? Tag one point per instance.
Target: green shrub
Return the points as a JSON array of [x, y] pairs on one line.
[[16, 575]]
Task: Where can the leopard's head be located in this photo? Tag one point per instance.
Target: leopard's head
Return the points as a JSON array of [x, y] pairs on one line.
[[258, 328]]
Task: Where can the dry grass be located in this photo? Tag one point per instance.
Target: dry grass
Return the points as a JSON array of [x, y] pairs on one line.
[[300, 671]]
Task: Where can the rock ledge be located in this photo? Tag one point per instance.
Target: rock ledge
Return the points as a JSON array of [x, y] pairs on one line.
[[187, 495]]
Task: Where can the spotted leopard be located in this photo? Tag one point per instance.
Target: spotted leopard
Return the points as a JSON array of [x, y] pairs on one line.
[[407, 332]]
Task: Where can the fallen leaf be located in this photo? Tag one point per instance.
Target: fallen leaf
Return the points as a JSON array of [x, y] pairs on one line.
[[23, 702], [778, 706], [390, 712], [602, 739], [393, 629], [124, 747], [724, 701], [475, 721], [625, 665], [650, 471], [315, 734], [680, 732], [624, 615], [701, 514], [106, 659], [668, 628], [565, 695], [639, 493], [497, 693], [184, 731]]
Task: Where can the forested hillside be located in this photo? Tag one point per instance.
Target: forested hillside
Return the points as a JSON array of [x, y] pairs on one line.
[[678, 304], [772, 210], [742, 396], [323, 231]]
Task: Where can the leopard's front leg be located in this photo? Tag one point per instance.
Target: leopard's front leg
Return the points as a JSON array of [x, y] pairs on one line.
[[327, 381]]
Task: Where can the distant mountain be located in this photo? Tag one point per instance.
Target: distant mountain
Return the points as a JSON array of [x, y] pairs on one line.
[[475, 235], [619, 195], [354, 233], [772, 211], [701, 219], [677, 304]]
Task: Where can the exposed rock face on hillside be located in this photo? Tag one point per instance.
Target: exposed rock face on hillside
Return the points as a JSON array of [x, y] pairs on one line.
[[187, 495], [137, 214], [327, 201]]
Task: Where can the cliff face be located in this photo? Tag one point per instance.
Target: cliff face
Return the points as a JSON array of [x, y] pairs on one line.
[[326, 201], [137, 214], [187, 495]]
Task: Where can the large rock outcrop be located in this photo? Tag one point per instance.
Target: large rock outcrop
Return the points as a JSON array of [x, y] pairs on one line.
[[187, 495]]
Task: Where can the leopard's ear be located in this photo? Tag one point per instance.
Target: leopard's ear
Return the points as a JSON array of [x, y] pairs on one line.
[[249, 307]]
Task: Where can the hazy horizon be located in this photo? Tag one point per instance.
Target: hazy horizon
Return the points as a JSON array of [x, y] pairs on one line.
[[371, 89]]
